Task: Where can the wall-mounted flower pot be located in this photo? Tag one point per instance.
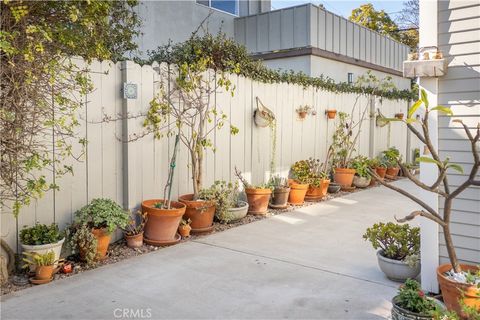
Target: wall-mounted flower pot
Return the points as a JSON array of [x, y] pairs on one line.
[[331, 113], [302, 114], [399, 116], [361, 182], [397, 270], [258, 200], [200, 212], [103, 240], [184, 231], [452, 290], [134, 241], [279, 198], [297, 192], [344, 176], [317, 193], [393, 171], [162, 224]]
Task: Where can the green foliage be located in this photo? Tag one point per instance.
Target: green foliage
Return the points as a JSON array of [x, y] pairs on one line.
[[412, 298], [184, 222], [40, 234], [361, 164], [102, 213], [81, 239], [225, 195], [395, 240], [391, 157], [278, 182], [228, 56], [136, 223], [342, 142], [311, 171], [39, 259], [40, 42]]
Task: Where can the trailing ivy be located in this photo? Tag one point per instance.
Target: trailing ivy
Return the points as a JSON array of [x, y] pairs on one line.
[[226, 55]]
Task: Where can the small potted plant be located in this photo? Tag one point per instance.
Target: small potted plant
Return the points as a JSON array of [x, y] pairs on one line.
[[281, 190], [184, 228], [379, 165], [102, 217], [362, 177], [44, 265], [228, 206], [83, 242], [411, 303], [163, 220], [399, 249], [258, 196], [300, 183], [399, 115], [134, 230], [42, 238], [303, 111], [313, 172], [331, 113], [391, 158]]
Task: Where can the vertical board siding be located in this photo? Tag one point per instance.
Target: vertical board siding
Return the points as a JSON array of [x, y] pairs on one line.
[[112, 167], [459, 90]]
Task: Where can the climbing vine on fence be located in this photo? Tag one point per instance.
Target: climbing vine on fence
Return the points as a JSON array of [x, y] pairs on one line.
[[226, 55]]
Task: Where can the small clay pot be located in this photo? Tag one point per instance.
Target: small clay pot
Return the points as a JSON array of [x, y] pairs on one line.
[[393, 171], [298, 192], [103, 240], [399, 116], [302, 114], [344, 176], [331, 113], [134, 241], [381, 171], [317, 193], [43, 272], [438, 55], [258, 200], [184, 231]]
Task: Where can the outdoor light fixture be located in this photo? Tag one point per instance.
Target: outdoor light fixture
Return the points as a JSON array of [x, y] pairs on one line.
[[350, 78]]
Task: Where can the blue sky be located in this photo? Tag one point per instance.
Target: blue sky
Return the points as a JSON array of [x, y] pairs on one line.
[[343, 8]]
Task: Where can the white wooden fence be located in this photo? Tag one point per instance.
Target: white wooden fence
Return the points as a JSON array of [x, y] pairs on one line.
[[130, 172]]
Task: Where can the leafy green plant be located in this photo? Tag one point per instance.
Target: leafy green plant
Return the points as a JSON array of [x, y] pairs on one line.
[[39, 259], [136, 223], [304, 109], [310, 171], [391, 157], [395, 240], [412, 298], [40, 234], [184, 222], [361, 164], [82, 240], [102, 213], [225, 195]]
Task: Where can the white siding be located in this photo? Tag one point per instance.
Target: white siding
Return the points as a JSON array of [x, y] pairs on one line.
[[459, 39]]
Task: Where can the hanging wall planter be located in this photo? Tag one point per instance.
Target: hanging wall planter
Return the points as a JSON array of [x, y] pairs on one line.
[[331, 113], [262, 116], [303, 111], [399, 115]]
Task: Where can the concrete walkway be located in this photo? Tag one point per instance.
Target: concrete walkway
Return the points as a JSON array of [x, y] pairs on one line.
[[310, 263]]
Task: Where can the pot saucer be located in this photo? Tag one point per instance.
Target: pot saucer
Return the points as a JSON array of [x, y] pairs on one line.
[[313, 199], [37, 281], [163, 243], [296, 204], [277, 206], [345, 188], [202, 230]]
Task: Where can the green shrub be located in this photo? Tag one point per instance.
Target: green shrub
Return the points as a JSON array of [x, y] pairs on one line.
[[412, 298], [391, 157], [40, 234], [225, 195], [82, 239], [361, 164], [102, 213], [397, 241], [39, 259], [310, 171]]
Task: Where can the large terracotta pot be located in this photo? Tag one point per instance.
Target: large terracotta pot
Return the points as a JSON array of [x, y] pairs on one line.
[[381, 171], [103, 240], [200, 212], [452, 290], [344, 176], [317, 193], [279, 198], [393, 171], [162, 224], [297, 192], [43, 272], [258, 200]]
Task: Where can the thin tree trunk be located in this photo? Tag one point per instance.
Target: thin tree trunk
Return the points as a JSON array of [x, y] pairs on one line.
[[451, 250]]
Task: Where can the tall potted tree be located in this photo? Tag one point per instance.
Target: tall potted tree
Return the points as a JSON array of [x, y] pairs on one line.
[[455, 279]]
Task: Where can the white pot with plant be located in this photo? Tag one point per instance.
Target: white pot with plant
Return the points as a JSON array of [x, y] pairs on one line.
[[42, 238], [228, 206]]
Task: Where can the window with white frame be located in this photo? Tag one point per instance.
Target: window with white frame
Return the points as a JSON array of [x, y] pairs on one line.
[[230, 6]]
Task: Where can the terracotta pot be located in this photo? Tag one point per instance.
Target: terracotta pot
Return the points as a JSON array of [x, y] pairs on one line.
[[258, 200], [399, 116], [393, 171], [135, 241], [381, 171], [297, 192], [331, 114], [43, 272], [317, 193], [344, 176], [162, 224], [280, 197], [184, 231], [302, 115], [452, 290], [200, 212], [103, 240]]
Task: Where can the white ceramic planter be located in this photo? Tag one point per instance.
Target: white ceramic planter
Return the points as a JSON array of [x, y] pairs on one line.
[[361, 182], [238, 213], [44, 248], [397, 270]]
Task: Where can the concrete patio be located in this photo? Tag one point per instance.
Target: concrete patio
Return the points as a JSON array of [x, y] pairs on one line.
[[309, 263]]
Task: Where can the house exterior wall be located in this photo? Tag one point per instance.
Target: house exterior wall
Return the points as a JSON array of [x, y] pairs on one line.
[[459, 39]]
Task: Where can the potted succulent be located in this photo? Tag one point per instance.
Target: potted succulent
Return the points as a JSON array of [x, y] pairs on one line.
[[362, 176], [102, 217], [411, 303], [83, 242], [299, 184], [42, 238], [391, 157], [303, 111], [379, 165], [314, 173], [228, 207], [184, 228], [399, 249], [331, 113], [281, 190], [258, 196], [134, 230], [44, 264]]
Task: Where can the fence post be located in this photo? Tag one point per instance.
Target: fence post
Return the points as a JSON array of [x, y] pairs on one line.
[[408, 152], [371, 145]]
